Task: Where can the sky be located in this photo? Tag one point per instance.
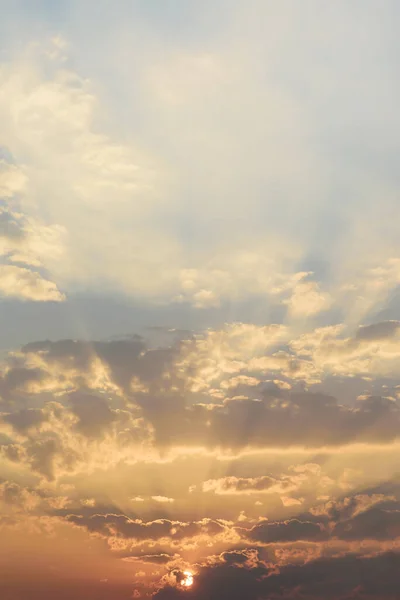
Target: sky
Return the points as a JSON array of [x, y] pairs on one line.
[[199, 300]]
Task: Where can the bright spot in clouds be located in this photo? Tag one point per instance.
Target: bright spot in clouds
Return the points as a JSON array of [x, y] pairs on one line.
[[188, 580]]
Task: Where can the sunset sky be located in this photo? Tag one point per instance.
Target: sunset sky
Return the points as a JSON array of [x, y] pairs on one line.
[[199, 300]]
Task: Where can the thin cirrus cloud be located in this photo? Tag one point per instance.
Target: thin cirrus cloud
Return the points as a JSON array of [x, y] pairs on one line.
[[199, 272]]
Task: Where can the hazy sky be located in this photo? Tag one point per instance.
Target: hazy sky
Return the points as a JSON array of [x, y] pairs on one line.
[[199, 307]]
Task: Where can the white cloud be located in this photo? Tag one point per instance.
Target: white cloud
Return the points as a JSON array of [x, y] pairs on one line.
[[12, 179], [109, 196], [330, 350], [95, 189], [307, 300], [220, 353], [163, 499], [21, 283], [25, 239]]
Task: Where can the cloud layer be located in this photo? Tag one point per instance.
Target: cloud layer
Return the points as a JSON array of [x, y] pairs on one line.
[[213, 453]]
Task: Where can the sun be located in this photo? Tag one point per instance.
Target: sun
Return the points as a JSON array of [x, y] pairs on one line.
[[187, 581]]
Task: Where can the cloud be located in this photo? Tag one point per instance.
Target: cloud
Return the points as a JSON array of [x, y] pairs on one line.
[[235, 485], [94, 414], [378, 522], [286, 531], [10, 228], [19, 379], [218, 353], [18, 498], [243, 557], [98, 364], [158, 559], [18, 282], [113, 525], [339, 579], [24, 240], [239, 143], [305, 420], [297, 482], [25, 419], [373, 351], [171, 397], [12, 179], [360, 517], [163, 499], [374, 522], [377, 331], [308, 357], [307, 300], [349, 507], [84, 433], [44, 103], [47, 100]]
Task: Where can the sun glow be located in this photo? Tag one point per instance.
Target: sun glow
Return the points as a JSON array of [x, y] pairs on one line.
[[188, 579]]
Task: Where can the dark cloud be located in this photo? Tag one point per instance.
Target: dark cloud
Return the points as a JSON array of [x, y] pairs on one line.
[[307, 419], [72, 353], [151, 401], [334, 579], [12, 452], [360, 517], [238, 557], [11, 226], [351, 519], [153, 381], [124, 358], [281, 419], [230, 485], [10, 492], [25, 419], [52, 436], [348, 507], [43, 454], [378, 523], [377, 331], [286, 531], [94, 414], [219, 583], [18, 379], [122, 526]]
